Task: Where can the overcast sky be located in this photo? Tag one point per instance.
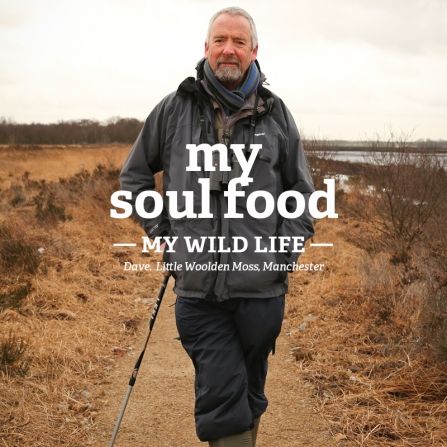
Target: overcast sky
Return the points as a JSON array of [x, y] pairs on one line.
[[346, 68]]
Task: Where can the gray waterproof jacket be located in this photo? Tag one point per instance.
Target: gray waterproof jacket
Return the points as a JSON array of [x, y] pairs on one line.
[[161, 146]]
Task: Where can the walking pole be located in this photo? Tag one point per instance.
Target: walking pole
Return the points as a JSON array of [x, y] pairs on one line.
[[133, 377]]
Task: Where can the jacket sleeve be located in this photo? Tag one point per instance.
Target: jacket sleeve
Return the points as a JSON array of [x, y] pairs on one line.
[[295, 175], [144, 160]]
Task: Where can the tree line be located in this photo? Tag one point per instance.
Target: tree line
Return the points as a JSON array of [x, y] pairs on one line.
[[114, 130], [126, 130]]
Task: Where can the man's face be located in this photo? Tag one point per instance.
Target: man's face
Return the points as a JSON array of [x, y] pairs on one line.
[[229, 50]]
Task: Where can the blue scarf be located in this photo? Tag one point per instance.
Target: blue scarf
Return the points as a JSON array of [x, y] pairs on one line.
[[232, 100]]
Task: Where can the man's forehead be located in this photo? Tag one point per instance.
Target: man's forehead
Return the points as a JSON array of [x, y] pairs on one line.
[[235, 23]]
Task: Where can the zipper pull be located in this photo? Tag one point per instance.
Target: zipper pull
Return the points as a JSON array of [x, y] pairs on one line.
[[226, 132]]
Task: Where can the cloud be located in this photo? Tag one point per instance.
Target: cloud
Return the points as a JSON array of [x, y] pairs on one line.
[[415, 27], [412, 27], [11, 19]]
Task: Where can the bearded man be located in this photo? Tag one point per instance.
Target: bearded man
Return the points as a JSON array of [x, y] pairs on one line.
[[228, 318]]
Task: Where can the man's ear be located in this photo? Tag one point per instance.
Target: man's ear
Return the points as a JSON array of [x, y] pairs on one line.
[[206, 50], [254, 53]]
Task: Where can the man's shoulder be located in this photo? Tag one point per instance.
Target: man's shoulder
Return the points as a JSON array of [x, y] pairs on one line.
[[188, 88], [266, 92], [169, 102], [277, 106]]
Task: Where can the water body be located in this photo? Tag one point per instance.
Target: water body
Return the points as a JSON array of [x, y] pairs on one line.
[[359, 156]]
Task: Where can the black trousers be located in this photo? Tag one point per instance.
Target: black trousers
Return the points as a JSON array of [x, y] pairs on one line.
[[229, 343]]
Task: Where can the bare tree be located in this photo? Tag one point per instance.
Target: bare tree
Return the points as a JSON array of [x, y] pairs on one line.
[[320, 154], [408, 188]]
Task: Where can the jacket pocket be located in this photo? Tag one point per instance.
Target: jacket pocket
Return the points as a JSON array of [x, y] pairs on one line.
[[192, 255], [282, 263]]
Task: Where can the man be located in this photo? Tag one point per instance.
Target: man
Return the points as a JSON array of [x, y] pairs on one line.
[[228, 312]]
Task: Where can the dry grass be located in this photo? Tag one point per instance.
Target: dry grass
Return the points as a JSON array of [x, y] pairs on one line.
[[53, 162], [374, 379], [63, 309], [67, 306]]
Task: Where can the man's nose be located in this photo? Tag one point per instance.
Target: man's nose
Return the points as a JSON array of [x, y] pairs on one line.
[[229, 48]]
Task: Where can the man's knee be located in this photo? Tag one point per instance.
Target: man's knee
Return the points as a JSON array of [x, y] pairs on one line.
[[259, 324]]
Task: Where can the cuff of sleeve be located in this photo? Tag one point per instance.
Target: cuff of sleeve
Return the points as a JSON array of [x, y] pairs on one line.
[[162, 232]]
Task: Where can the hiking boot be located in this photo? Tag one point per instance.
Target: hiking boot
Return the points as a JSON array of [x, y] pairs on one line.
[[239, 440], [254, 430]]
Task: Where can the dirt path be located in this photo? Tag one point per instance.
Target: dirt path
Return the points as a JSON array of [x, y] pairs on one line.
[[160, 409]]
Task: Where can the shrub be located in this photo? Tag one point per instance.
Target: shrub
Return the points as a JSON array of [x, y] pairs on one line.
[[47, 210], [431, 261], [108, 172], [14, 297], [12, 356], [18, 197], [16, 252], [408, 190], [320, 154]]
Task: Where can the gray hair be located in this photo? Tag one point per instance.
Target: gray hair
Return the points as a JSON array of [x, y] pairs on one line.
[[235, 11]]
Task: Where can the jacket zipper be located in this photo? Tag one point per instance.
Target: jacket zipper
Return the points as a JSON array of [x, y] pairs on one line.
[[213, 277], [226, 133], [226, 139]]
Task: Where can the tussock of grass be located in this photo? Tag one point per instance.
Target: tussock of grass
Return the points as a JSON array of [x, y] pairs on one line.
[[12, 356]]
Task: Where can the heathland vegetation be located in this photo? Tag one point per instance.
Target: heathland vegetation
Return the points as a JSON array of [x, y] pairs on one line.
[[378, 358], [369, 332]]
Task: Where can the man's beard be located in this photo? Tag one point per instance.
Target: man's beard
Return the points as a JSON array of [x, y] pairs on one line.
[[228, 74]]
